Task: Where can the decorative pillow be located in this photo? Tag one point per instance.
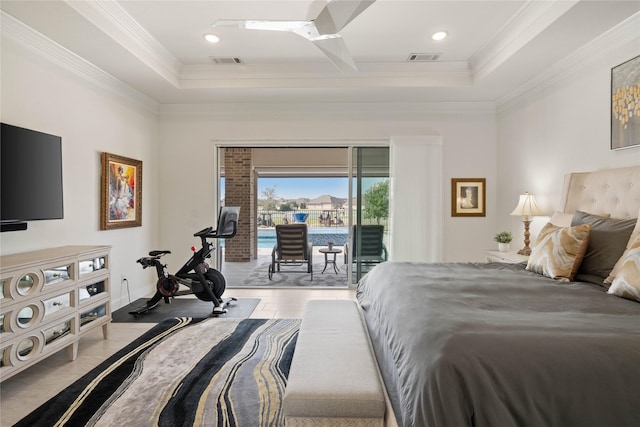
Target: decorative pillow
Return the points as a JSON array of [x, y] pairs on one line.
[[626, 284], [561, 219], [616, 269], [558, 251], [607, 242]]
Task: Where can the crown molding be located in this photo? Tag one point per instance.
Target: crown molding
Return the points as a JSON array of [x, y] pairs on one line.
[[442, 74], [322, 111], [626, 32], [530, 21], [44, 47], [114, 21]]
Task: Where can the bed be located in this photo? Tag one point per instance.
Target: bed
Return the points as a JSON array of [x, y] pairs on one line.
[[489, 344]]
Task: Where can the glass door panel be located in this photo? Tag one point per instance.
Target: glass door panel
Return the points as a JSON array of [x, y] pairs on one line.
[[368, 235]]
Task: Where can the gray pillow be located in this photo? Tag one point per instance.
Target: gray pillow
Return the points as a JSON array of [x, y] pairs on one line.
[[607, 242]]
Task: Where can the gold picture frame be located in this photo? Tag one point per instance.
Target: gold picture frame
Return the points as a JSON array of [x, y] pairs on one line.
[[625, 108], [468, 197], [121, 192]]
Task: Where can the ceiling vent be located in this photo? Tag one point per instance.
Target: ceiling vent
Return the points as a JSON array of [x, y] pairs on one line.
[[423, 57], [226, 60]]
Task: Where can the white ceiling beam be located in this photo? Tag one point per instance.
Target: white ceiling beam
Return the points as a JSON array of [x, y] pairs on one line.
[[530, 21], [115, 22]]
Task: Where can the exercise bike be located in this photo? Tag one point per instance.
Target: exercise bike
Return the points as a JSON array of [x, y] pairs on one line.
[[206, 283]]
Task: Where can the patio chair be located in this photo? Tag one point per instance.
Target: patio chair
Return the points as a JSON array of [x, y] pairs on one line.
[[373, 250], [292, 248]]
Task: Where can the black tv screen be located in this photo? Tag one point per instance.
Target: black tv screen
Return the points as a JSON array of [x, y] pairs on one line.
[[30, 175]]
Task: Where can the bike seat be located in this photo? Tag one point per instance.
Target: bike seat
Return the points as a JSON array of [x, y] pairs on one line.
[[159, 253]]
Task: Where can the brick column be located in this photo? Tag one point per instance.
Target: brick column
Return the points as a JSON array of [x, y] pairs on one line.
[[240, 191]]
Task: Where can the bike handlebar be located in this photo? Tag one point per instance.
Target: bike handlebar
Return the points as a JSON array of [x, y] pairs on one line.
[[228, 235], [213, 234], [204, 232]]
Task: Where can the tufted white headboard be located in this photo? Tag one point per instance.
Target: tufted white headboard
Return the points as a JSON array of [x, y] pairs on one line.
[[608, 191]]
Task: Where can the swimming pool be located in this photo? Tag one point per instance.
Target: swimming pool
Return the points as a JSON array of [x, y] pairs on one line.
[[319, 236]]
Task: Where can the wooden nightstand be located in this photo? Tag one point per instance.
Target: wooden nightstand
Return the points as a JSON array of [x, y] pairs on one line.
[[507, 257]]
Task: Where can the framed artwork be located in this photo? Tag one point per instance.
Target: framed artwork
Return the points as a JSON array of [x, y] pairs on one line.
[[121, 192], [468, 197], [625, 108]]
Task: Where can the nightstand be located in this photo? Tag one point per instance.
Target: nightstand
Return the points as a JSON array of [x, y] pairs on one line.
[[506, 257]]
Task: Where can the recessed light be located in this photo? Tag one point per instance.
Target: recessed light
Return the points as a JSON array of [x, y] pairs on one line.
[[211, 38], [440, 35]]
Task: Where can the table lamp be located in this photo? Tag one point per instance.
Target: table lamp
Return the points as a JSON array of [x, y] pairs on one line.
[[527, 207]]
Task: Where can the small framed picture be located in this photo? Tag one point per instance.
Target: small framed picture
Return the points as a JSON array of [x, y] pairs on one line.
[[121, 192], [468, 196]]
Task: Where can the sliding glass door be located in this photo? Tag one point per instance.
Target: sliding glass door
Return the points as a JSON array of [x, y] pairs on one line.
[[369, 195], [355, 223]]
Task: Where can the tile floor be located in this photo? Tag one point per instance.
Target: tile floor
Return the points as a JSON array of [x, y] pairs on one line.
[[27, 390]]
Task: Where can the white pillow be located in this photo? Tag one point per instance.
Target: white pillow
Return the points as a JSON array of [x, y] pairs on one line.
[[626, 283], [633, 238]]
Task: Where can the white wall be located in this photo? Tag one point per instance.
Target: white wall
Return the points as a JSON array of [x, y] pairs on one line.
[[188, 135], [39, 95], [562, 128], [528, 147]]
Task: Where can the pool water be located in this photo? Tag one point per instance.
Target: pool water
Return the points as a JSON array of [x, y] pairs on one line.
[[318, 236]]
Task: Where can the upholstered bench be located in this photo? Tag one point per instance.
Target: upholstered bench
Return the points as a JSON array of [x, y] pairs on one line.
[[334, 379]]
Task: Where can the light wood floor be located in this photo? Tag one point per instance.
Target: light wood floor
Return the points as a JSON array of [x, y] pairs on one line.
[[27, 390]]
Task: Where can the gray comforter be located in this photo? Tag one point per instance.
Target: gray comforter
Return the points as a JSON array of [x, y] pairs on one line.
[[495, 345]]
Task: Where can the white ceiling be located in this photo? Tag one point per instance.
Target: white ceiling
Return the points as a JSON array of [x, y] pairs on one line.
[[157, 47]]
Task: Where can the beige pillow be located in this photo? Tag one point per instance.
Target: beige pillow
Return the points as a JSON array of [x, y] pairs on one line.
[[558, 251], [616, 268], [626, 283]]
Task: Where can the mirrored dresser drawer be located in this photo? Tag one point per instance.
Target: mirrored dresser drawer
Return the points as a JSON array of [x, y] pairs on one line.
[[48, 299]]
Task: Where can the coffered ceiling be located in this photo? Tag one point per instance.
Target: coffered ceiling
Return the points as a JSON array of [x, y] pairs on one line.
[[158, 47]]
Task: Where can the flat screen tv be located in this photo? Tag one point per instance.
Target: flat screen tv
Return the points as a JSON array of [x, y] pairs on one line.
[[30, 176]]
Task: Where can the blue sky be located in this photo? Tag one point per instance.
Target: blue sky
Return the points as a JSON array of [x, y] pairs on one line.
[[293, 188]]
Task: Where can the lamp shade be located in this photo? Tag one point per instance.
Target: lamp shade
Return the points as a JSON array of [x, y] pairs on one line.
[[527, 206]]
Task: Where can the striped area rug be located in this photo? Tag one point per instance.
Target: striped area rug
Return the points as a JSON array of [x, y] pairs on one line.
[[184, 372]]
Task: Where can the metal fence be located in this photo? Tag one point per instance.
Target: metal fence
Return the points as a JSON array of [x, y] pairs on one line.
[[315, 218]]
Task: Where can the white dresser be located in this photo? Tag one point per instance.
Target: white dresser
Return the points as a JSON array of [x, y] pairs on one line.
[[48, 299]]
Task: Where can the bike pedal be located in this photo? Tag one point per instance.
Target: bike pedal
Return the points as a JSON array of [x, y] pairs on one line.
[[218, 311]]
